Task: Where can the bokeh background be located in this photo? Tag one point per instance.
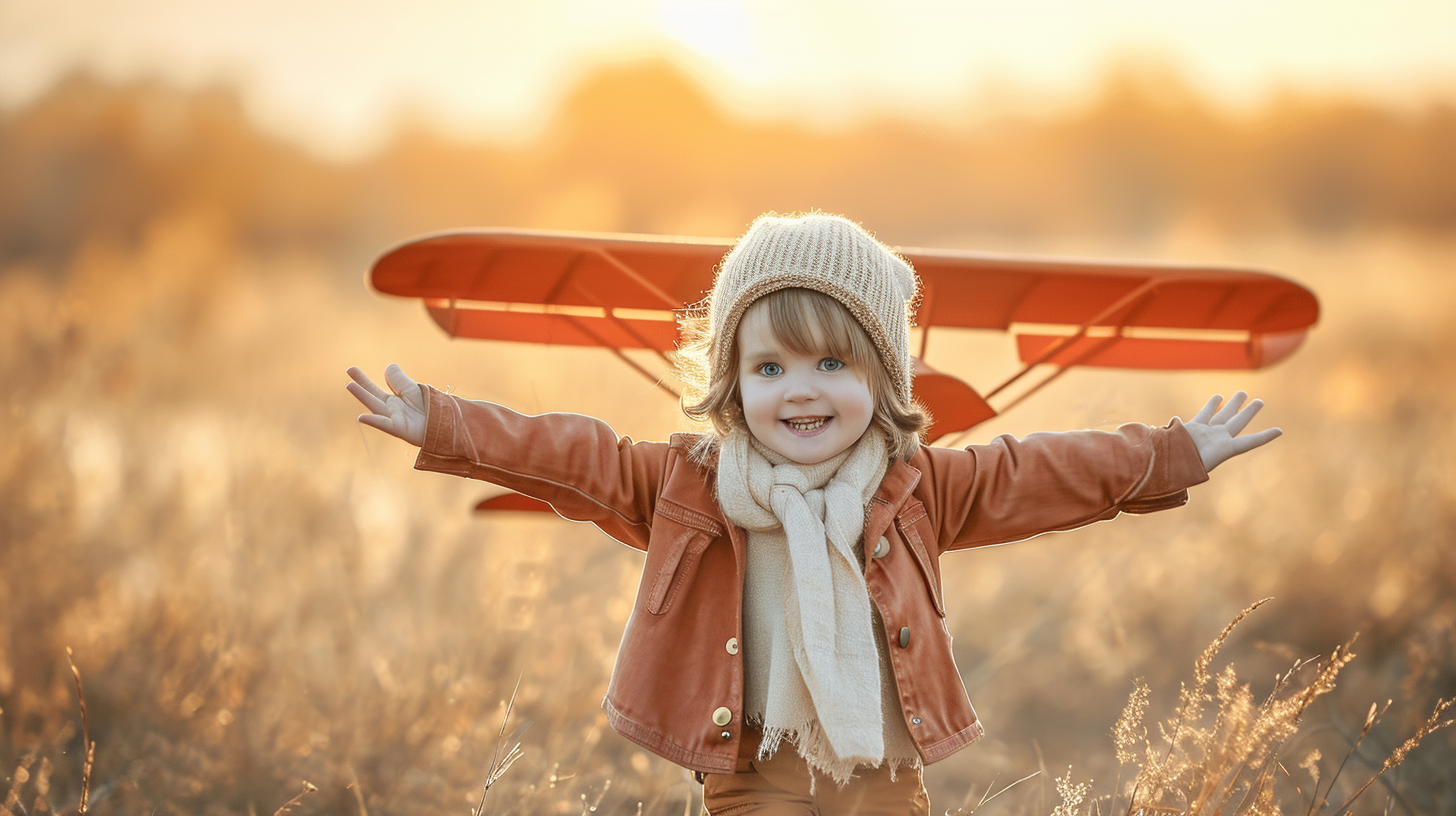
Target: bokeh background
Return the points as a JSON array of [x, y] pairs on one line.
[[258, 591]]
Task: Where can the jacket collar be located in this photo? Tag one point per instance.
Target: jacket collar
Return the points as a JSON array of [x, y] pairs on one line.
[[900, 479]]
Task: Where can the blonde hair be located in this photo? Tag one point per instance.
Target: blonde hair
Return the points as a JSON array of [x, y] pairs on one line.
[[806, 322]]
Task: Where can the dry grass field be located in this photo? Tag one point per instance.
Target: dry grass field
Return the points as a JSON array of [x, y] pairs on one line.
[[260, 593]]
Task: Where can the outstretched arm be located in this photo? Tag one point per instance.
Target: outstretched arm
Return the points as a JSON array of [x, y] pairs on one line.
[[400, 414], [575, 463], [1011, 489], [1216, 430]]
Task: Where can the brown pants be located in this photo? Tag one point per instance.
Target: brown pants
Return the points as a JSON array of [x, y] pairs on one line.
[[779, 786]]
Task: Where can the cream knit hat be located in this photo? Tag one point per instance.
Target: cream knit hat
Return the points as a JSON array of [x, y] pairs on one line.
[[826, 253]]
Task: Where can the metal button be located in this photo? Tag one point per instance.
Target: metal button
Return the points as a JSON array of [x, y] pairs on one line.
[[882, 547], [722, 716], [727, 735], [731, 645], [915, 720], [904, 636]]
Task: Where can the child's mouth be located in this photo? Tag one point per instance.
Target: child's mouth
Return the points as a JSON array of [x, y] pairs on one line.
[[807, 426]]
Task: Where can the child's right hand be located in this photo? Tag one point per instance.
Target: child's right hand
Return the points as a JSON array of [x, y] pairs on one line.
[[400, 414]]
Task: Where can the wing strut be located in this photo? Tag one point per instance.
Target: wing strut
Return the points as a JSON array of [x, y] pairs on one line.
[[571, 281], [1127, 305], [1125, 302], [635, 366], [1105, 342], [669, 301]]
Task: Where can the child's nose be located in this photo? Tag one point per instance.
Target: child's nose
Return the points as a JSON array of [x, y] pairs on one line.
[[800, 389]]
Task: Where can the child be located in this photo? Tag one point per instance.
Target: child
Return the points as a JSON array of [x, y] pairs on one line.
[[791, 591]]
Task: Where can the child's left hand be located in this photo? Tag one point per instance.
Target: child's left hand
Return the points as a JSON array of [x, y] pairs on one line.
[[1216, 431]]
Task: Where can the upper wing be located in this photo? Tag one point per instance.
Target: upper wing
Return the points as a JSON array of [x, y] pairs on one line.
[[623, 292], [620, 291]]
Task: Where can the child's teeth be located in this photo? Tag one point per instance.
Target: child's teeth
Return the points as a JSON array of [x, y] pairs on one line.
[[806, 424]]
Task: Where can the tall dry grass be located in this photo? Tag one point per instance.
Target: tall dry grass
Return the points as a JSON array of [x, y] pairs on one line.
[[258, 593], [1232, 759]]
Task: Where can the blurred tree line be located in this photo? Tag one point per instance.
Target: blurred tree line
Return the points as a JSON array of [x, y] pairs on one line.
[[641, 147]]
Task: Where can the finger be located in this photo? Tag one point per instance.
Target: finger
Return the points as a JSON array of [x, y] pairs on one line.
[[1206, 412], [1242, 419], [370, 401], [364, 381], [1230, 408], [383, 423], [1244, 444], [399, 383]]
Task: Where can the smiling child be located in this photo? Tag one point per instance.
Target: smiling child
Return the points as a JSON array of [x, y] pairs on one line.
[[788, 639]]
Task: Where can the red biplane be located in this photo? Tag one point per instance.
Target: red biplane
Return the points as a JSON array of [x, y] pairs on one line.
[[623, 292]]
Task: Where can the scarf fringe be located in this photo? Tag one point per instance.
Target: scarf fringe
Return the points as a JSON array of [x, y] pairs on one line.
[[810, 742]]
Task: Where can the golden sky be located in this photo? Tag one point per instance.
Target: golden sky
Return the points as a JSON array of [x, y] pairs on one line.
[[336, 74]]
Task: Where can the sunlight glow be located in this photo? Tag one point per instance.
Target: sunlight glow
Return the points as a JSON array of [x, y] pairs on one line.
[[338, 75], [720, 30]]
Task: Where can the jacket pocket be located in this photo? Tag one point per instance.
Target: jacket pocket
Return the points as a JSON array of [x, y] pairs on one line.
[[914, 526], [679, 536]]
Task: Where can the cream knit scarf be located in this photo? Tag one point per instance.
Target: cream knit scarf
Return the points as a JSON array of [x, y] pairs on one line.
[[812, 667]]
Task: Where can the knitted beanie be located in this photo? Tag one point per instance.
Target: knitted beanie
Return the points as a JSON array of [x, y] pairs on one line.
[[826, 253]]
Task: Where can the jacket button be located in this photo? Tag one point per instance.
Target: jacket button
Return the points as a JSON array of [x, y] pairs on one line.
[[731, 645], [882, 547], [904, 637], [722, 716], [727, 735]]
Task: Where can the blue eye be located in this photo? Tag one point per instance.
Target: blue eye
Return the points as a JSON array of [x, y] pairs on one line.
[[770, 369], [831, 364]]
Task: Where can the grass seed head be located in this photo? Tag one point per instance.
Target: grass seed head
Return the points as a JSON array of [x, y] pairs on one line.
[[1433, 723], [1072, 795], [1130, 733], [1310, 764]]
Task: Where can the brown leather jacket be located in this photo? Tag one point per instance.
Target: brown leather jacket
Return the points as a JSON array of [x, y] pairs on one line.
[[677, 687]]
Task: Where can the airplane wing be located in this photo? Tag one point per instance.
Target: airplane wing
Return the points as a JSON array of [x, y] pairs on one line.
[[623, 292]]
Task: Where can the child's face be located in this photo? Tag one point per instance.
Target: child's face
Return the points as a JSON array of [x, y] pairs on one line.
[[806, 407]]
